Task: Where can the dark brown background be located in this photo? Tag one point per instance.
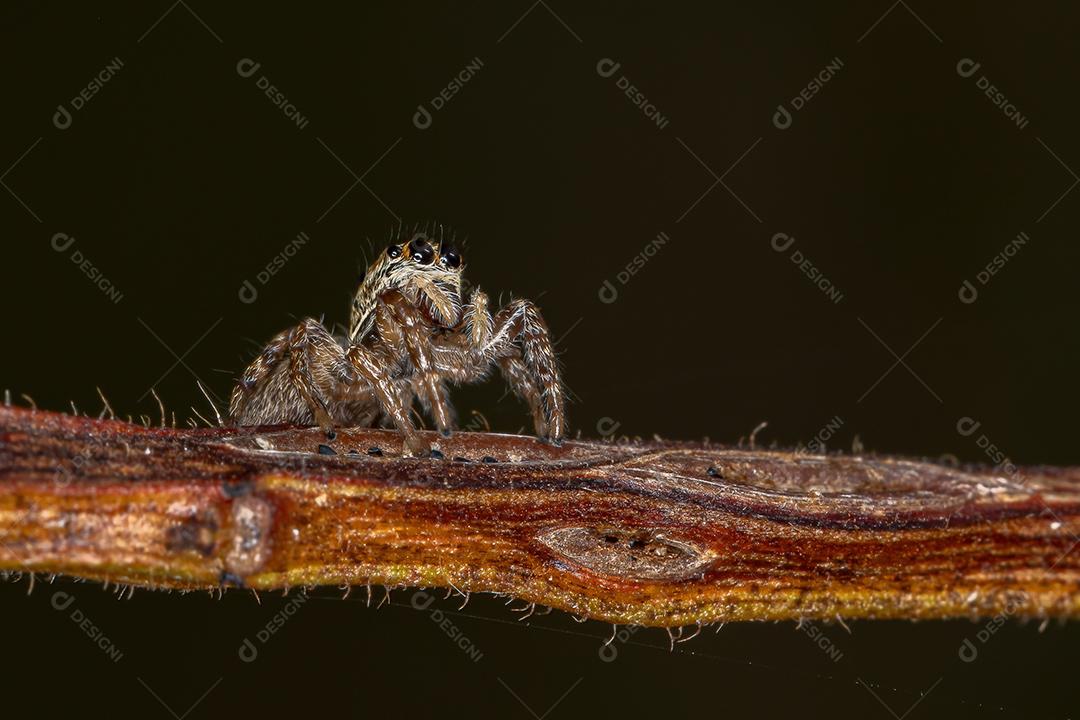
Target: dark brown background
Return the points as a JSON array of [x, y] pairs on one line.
[[899, 180]]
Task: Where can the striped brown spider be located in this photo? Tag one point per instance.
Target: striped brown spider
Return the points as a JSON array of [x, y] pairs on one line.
[[409, 336]]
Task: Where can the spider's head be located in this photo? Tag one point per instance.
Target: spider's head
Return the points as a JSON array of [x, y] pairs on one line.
[[424, 268], [427, 271]]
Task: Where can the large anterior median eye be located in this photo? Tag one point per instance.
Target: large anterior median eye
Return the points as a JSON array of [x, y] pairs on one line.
[[420, 251], [394, 251]]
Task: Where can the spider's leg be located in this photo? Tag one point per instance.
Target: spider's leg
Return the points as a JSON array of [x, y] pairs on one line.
[[478, 323], [302, 376], [256, 372], [373, 368], [532, 371], [312, 347], [265, 394], [520, 381], [479, 329], [415, 334]]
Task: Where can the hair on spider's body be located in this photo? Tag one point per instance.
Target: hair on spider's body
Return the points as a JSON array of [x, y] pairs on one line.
[[429, 278], [410, 334]]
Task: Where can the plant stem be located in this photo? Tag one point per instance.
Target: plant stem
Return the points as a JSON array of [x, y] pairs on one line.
[[663, 534]]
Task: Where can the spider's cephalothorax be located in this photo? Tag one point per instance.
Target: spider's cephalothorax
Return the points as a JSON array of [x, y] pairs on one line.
[[410, 334], [425, 269]]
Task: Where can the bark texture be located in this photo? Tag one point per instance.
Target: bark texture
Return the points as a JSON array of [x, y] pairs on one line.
[[663, 534]]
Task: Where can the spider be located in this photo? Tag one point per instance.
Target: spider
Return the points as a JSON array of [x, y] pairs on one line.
[[409, 336]]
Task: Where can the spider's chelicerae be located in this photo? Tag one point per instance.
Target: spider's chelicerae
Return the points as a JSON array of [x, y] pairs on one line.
[[410, 334]]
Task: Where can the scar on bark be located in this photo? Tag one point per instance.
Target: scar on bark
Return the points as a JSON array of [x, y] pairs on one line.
[[649, 533]]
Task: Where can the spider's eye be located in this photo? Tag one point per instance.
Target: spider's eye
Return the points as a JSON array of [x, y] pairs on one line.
[[394, 251], [452, 259], [421, 251]]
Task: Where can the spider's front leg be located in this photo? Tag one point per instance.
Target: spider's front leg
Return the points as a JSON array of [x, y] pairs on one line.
[[373, 369], [413, 329], [518, 340]]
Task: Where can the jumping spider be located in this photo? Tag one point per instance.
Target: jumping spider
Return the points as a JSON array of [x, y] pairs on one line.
[[410, 334]]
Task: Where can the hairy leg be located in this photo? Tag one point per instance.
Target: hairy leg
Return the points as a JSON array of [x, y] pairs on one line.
[[532, 372], [520, 322], [259, 369], [478, 324], [304, 373], [313, 350], [317, 363], [520, 381], [414, 330], [373, 369]]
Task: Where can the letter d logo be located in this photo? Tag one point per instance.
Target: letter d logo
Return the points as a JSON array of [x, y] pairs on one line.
[[248, 294], [247, 67], [968, 294], [608, 652], [967, 67], [61, 241], [607, 67], [248, 652], [781, 241], [61, 118], [422, 118], [608, 293], [62, 600], [967, 426], [781, 118], [606, 426]]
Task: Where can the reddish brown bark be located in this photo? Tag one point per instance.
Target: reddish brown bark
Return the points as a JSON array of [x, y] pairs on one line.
[[655, 534]]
